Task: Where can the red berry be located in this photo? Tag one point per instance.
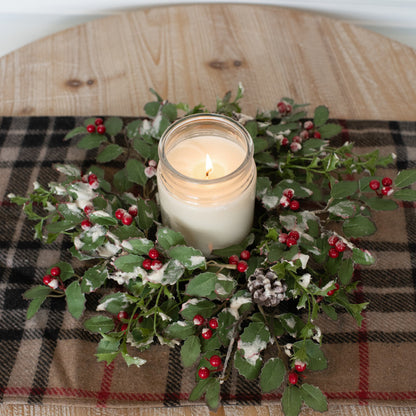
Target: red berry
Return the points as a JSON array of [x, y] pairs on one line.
[[124, 327], [206, 333], [294, 147], [90, 128], [336, 286], [283, 238], [198, 320], [291, 241], [133, 211], [304, 134], [215, 360], [127, 219], [122, 315], [153, 254], [289, 193], [156, 265], [281, 106], [317, 135], [297, 139], [293, 378], [47, 279], [92, 178], [331, 292], [55, 271], [86, 225], [88, 209], [300, 366], [288, 108], [387, 181], [387, 190], [233, 259], [332, 240], [245, 255], [98, 121], [101, 129], [374, 184], [333, 253], [203, 373], [294, 234], [340, 246], [147, 264], [285, 141], [308, 125], [294, 205], [213, 323], [242, 266], [120, 213]]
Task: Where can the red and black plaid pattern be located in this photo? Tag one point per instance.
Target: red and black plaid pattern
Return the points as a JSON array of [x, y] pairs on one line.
[[50, 359]]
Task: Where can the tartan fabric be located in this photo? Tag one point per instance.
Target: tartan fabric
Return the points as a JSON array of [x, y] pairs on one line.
[[50, 358]]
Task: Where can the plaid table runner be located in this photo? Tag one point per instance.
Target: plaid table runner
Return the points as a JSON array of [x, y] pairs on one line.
[[50, 359]]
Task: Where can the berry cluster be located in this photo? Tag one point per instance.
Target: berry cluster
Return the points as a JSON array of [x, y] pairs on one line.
[[97, 126], [51, 279], [126, 216], [308, 132], [337, 246], [287, 201], [240, 262], [386, 190], [293, 377], [153, 262], [123, 317], [284, 108], [290, 239]]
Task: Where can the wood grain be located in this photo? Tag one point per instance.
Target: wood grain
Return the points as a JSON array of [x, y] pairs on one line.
[[195, 53]]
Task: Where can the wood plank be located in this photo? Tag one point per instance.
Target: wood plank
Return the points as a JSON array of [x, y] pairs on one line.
[[194, 53]]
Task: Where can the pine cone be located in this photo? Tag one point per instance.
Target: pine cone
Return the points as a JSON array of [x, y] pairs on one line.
[[266, 288]]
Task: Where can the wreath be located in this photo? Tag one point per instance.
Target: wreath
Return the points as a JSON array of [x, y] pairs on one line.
[[313, 201]]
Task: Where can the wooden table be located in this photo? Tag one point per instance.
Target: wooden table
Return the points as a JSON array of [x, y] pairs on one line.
[[194, 54]]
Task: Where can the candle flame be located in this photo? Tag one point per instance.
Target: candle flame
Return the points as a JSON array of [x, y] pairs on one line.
[[208, 166]]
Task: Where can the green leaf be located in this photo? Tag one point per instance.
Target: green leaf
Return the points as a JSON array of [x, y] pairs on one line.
[[330, 311], [291, 401], [60, 226], [313, 397], [91, 141], [114, 303], [362, 257], [249, 369], [113, 125], [343, 209], [237, 248], [152, 108], [169, 111], [68, 170], [140, 246], [147, 213], [110, 152], [346, 270], [201, 307], [212, 395], [405, 178], [168, 238], [66, 270], [358, 226], [128, 262], [137, 361], [321, 116], [226, 321], [256, 332], [382, 204], [343, 189], [34, 306], [135, 172], [103, 218], [300, 190], [75, 299], [314, 356], [329, 130], [100, 324], [93, 279], [202, 285], [39, 291], [107, 357], [190, 351], [263, 185], [121, 181], [251, 127], [173, 271], [133, 129], [145, 149], [405, 195], [272, 375], [75, 132], [199, 389], [181, 329], [190, 257]]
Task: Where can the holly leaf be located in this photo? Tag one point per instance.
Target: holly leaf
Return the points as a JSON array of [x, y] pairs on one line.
[[405, 195], [75, 132], [358, 226], [110, 152], [128, 262], [199, 389], [272, 375], [343, 209], [362, 257], [135, 172], [382, 204], [66, 270], [181, 330], [202, 285], [190, 351], [346, 270], [168, 238], [329, 130], [190, 257], [75, 299], [405, 178], [313, 397], [113, 125], [344, 189], [212, 395], [93, 279], [291, 401], [137, 361], [103, 218], [321, 116], [140, 246], [100, 324], [114, 303], [200, 307], [91, 141], [249, 369], [310, 351]]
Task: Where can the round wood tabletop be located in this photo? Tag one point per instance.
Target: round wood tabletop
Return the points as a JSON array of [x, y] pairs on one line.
[[194, 54]]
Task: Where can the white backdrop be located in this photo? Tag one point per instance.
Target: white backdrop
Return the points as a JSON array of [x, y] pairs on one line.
[[23, 21]]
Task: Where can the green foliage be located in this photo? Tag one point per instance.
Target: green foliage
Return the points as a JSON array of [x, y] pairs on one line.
[[158, 303]]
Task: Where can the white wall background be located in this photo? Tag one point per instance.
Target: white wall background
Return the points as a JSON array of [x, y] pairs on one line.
[[23, 21]]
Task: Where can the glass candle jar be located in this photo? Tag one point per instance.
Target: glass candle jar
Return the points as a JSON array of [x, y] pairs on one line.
[[207, 180]]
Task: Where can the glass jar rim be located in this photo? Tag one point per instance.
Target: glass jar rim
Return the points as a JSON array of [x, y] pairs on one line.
[[209, 116]]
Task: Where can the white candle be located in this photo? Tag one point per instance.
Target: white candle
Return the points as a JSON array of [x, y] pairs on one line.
[[211, 205]]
